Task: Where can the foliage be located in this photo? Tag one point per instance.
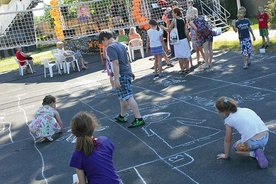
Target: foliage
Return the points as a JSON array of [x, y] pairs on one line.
[[231, 6], [271, 10]]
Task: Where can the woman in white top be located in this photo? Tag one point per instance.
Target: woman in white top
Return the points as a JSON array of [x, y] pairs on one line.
[[253, 131], [156, 43]]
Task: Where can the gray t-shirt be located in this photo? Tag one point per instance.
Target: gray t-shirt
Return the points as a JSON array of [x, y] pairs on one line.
[[117, 51]]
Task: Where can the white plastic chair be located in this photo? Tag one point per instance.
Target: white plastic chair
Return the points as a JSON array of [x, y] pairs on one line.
[[74, 61], [48, 65], [136, 44], [61, 60], [21, 68]]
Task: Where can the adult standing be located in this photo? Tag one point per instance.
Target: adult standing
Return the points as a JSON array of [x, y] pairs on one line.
[[204, 38], [170, 17], [182, 48]]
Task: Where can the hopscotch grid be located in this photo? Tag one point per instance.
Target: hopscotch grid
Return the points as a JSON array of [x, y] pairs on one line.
[[177, 168], [128, 132], [230, 83]]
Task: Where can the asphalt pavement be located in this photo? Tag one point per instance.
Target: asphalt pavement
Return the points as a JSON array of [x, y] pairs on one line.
[[181, 138]]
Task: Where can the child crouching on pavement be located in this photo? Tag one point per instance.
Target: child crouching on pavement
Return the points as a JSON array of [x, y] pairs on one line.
[[253, 131]]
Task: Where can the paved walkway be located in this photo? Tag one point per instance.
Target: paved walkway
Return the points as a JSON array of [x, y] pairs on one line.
[[181, 138], [232, 36]]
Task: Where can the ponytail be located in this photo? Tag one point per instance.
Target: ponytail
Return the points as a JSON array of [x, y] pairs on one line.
[[225, 104], [83, 125], [85, 144]]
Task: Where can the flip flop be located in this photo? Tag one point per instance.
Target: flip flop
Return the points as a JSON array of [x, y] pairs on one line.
[[41, 139]]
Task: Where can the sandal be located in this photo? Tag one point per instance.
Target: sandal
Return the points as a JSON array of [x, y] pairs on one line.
[[181, 72], [187, 71], [41, 139], [205, 66], [50, 139]]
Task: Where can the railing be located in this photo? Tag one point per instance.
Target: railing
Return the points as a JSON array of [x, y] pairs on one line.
[[216, 12], [13, 6]]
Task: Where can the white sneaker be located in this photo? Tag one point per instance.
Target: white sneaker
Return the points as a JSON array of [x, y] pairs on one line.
[[248, 62], [245, 66]]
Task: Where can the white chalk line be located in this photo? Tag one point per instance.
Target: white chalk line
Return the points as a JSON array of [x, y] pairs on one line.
[[40, 154], [8, 129], [124, 129], [239, 84], [137, 172]]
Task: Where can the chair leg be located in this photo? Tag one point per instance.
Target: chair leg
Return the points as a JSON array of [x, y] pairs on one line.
[[51, 71], [21, 71], [64, 67], [132, 54], [78, 67], [45, 72], [142, 52], [68, 68], [30, 68], [58, 68]]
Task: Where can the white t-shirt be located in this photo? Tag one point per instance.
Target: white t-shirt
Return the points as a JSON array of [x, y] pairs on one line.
[[246, 122], [154, 36], [61, 52], [191, 13]]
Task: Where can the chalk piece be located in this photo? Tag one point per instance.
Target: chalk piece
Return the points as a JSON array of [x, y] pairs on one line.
[[75, 178], [262, 51]]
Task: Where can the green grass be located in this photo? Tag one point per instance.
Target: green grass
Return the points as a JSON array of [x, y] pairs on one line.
[[8, 64], [235, 45]]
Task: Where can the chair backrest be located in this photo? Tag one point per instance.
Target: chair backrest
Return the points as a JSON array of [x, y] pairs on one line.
[[45, 62], [136, 42], [18, 62], [54, 51], [59, 58]]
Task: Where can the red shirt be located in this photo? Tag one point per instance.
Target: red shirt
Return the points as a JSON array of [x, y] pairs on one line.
[[20, 58], [263, 20]]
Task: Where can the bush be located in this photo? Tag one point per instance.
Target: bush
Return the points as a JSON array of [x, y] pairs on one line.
[[271, 10], [231, 6]]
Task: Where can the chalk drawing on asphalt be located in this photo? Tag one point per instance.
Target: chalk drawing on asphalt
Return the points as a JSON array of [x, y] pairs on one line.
[[253, 97], [176, 132]]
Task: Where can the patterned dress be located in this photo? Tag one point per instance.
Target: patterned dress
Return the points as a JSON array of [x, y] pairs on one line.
[[204, 31], [44, 123]]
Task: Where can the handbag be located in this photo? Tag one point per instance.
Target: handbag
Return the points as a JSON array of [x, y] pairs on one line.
[[174, 38]]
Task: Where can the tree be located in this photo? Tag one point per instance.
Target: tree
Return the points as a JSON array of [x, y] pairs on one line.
[[271, 10]]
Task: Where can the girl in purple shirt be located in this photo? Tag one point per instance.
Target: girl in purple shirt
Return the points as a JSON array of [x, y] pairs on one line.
[[92, 158]]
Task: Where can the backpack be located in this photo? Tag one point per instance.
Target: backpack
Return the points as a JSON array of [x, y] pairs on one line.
[[174, 38], [203, 27]]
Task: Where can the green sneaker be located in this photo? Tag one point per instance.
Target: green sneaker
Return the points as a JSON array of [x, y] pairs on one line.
[[121, 119], [136, 123]]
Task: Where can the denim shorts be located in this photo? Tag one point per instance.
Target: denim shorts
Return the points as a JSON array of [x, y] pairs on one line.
[[125, 91], [251, 144]]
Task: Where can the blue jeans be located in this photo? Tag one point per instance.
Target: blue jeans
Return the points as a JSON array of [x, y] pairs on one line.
[[251, 144]]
